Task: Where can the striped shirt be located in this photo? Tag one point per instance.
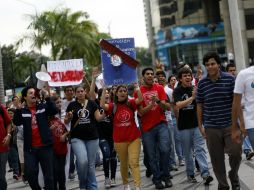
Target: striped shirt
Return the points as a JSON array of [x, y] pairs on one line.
[[216, 98]]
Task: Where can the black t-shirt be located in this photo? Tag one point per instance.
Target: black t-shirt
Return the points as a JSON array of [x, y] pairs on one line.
[[187, 118], [105, 127], [86, 128]]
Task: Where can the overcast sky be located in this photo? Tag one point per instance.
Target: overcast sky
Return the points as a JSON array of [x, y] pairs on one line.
[[124, 18]]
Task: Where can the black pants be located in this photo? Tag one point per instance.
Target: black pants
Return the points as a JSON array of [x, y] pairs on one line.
[[109, 157], [219, 142], [59, 172]]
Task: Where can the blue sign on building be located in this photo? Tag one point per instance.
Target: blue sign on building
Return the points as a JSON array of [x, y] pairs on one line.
[[191, 34], [116, 72], [163, 56]]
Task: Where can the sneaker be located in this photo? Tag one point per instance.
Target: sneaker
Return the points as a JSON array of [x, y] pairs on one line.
[[249, 155], [234, 182], [207, 179], [181, 163], [24, 179], [71, 176], [16, 176], [107, 183], [126, 187], [159, 185], [168, 183], [113, 182], [10, 170], [192, 179], [173, 168]]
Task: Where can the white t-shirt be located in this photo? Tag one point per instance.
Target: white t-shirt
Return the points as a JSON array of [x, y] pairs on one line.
[[244, 85], [64, 106], [169, 93]]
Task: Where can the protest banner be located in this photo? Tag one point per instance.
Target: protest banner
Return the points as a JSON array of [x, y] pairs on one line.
[[65, 72], [118, 61]]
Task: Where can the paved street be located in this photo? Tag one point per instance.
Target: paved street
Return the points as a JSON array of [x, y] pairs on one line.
[[179, 179]]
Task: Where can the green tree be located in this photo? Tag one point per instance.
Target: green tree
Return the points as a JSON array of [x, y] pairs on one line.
[[143, 56], [18, 66], [8, 55], [69, 35]]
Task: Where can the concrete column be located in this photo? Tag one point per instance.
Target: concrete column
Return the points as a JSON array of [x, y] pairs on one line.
[[2, 97], [244, 32], [239, 33], [224, 9], [150, 30]]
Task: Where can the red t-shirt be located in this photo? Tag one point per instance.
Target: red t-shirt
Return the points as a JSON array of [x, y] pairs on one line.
[[3, 131], [124, 126], [36, 137], [156, 114], [59, 129]]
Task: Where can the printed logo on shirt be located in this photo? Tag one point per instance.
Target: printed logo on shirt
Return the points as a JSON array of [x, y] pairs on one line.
[[57, 127], [124, 118], [252, 84], [190, 106], [85, 117], [34, 121]]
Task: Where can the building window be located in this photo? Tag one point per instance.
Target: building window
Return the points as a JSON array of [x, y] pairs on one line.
[[249, 21], [191, 6], [162, 2], [169, 9], [166, 22]]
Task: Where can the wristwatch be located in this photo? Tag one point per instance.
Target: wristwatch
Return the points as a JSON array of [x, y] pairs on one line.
[[8, 134]]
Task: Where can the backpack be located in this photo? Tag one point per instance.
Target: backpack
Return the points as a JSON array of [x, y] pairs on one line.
[[2, 115]]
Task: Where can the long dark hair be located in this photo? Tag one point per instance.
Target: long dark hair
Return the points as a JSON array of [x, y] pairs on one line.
[[126, 100], [117, 88]]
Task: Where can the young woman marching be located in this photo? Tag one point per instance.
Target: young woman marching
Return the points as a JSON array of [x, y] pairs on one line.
[[82, 114], [106, 143], [125, 132]]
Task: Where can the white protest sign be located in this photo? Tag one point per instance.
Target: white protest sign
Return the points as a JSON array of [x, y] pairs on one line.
[[65, 72]]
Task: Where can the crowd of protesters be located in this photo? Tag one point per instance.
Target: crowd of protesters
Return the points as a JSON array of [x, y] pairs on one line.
[[172, 120]]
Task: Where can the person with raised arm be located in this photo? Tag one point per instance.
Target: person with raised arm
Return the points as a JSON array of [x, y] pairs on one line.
[[126, 135]]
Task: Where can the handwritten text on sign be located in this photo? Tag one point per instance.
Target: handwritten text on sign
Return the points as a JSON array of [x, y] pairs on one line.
[[65, 72]]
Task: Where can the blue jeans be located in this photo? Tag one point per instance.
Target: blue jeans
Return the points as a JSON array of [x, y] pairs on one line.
[[13, 158], [251, 136], [85, 152], [72, 162], [177, 140], [172, 158], [158, 137], [3, 161], [246, 145], [109, 157], [194, 142], [44, 156]]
